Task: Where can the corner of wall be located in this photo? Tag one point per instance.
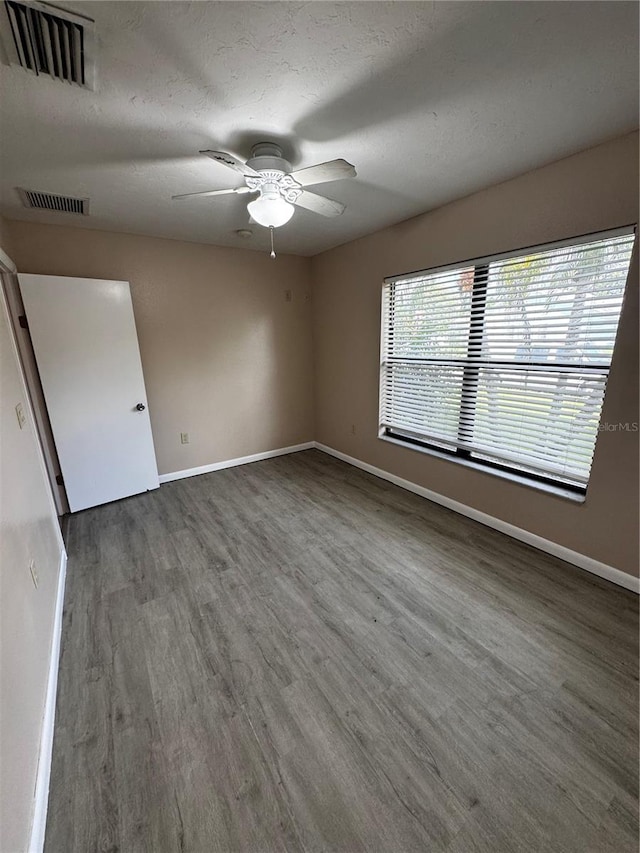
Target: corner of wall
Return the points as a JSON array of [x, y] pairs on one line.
[[313, 285]]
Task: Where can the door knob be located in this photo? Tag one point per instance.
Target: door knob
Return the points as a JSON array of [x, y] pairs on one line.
[[140, 407]]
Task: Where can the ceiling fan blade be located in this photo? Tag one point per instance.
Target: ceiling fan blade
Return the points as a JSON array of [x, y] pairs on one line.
[[230, 161], [319, 204], [333, 170], [238, 190]]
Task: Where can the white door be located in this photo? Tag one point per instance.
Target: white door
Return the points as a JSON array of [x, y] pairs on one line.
[[84, 338]]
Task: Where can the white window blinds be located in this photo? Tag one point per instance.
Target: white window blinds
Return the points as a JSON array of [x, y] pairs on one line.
[[505, 360]]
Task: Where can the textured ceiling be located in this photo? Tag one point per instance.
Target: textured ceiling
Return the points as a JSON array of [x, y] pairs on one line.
[[430, 101]]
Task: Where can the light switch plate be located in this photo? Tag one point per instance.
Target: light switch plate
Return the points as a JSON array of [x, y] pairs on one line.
[[20, 415]]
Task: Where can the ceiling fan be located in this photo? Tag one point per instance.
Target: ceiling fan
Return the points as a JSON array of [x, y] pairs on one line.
[[270, 175]]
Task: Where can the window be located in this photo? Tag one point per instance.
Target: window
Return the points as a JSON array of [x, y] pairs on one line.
[[504, 360]]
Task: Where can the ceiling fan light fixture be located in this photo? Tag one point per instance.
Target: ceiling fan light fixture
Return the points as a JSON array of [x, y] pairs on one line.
[[270, 210]]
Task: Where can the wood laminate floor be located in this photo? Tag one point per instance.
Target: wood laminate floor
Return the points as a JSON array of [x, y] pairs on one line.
[[296, 656]]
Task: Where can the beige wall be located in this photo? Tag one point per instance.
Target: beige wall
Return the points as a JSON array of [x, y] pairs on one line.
[[593, 190], [229, 361], [225, 357], [28, 530]]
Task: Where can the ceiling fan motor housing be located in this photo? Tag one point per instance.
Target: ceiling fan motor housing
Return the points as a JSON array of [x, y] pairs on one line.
[[265, 156]]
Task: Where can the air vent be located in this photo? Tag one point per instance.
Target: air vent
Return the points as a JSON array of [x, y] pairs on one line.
[[59, 203], [47, 40]]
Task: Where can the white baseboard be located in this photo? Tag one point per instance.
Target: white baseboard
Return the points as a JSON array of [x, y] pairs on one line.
[[583, 562], [41, 801], [231, 463]]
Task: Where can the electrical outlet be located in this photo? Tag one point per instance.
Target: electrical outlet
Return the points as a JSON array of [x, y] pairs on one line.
[[288, 296], [184, 438], [353, 429], [20, 415], [34, 573]]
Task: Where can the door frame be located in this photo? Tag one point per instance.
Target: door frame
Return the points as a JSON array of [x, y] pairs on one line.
[[13, 300]]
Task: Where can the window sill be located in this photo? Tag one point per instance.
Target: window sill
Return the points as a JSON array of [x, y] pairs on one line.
[[512, 477]]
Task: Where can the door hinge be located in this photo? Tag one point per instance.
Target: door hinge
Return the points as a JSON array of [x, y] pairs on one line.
[[59, 480], [23, 322]]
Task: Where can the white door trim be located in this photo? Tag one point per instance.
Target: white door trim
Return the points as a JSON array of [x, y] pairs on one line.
[[31, 416], [34, 388], [6, 264]]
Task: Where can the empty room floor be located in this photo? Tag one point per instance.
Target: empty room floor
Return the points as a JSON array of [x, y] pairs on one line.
[[296, 656]]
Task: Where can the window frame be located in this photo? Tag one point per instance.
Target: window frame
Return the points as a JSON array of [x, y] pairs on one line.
[[469, 385]]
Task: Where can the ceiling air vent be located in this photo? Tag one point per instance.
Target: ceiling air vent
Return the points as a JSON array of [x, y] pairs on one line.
[[50, 201], [47, 40]]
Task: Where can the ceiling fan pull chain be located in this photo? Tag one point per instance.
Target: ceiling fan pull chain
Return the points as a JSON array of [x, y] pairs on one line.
[[273, 252]]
